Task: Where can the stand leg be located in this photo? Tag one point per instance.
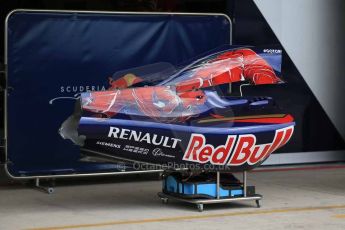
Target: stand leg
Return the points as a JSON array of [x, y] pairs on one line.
[[245, 183], [164, 200], [48, 189], [218, 184], [258, 203], [200, 207]]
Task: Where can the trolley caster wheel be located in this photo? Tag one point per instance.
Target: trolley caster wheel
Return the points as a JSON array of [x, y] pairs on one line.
[[50, 190], [258, 203], [164, 200], [200, 207]]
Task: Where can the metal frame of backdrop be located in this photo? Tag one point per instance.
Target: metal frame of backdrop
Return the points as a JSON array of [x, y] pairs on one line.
[[79, 12]]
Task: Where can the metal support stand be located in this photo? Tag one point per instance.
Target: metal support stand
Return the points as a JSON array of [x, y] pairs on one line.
[[218, 184], [200, 202], [47, 189], [245, 183]]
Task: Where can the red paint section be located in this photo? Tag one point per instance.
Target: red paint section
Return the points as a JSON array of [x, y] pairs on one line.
[[242, 150], [195, 143], [155, 101], [270, 120], [262, 150], [288, 134], [246, 151], [216, 116], [199, 151]]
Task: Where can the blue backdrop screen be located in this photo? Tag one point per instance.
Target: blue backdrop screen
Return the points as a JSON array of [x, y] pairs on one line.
[[54, 56]]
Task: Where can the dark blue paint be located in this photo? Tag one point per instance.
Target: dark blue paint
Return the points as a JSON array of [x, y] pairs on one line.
[[91, 125]]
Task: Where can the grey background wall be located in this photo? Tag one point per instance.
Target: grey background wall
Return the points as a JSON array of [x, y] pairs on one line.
[[312, 33]]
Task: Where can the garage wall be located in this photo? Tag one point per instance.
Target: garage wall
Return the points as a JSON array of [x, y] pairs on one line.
[[312, 33]]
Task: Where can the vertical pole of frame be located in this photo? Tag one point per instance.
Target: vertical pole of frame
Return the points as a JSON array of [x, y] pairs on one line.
[[245, 183], [37, 182], [218, 184]]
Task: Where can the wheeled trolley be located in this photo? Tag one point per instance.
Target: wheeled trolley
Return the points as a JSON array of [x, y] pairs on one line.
[[207, 192]]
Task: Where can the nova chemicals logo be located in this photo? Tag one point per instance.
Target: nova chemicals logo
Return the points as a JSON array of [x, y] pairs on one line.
[[157, 152]]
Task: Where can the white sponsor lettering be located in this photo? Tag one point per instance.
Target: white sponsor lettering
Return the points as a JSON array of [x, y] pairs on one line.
[[112, 145], [81, 88], [135, 149], [154, 139], [272, 51]]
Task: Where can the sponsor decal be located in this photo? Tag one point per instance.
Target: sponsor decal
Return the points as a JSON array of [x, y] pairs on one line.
[[108, 144], [135, 149], [142, 137], [245, 150], [272, 51], [77, 90], [157, 152], [81, 88]]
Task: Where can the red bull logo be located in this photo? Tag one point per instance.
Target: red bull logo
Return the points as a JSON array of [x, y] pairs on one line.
[[232, 153]]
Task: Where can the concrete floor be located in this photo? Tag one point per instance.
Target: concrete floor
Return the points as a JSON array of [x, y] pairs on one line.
[[301, 199]]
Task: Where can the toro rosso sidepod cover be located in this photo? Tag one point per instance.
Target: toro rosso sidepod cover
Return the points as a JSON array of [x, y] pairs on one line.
[[177, 118]]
